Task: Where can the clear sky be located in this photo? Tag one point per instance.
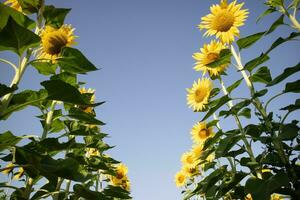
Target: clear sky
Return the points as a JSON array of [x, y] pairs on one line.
[[144, 49]]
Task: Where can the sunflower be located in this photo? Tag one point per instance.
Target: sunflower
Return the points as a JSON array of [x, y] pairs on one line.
[[14, 4], [190, 171], [208, 54], [197, 150], [180, 178], [92, 152], [224, 20], [200, 132], [189, 159], [199, 94], [54, 40], [92, 97], [121, 178]]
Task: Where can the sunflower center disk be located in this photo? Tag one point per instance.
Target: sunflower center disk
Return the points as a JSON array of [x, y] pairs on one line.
[[203, 133], [211, 57], [55, 43], [199, 96], [223, 21]]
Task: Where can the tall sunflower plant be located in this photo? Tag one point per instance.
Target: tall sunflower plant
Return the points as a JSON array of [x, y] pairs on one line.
[[68, 158], [259, 157]]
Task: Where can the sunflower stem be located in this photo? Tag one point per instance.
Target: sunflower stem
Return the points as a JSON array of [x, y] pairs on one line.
[[10, 63], [48, 120]]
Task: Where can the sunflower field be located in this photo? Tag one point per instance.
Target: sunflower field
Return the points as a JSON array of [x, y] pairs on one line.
[[257, 159]]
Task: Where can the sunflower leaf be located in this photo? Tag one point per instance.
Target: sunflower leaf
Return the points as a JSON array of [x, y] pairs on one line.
[[5, 90], [265, 13], [17, 38], [286, 73], [262, 75], [293, 87], [55, 17], [224, 58], [246, 42], [252, 64], [74, 61], [218, 104]]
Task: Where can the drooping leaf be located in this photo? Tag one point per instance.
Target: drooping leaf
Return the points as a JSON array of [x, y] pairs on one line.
[[55, 16], [289, 132], [252, 64], [45, 68], [265, 13], [7, 140], [293, 87], [74, 61], [277, 23], [6, 90], [228, 185], [18, 17], [260, 93], [218, 104], [224, 58], [262, 75], [62, 91], [281, 40], [17, 38], [285, 74], [246, 112], [253, 130], [78, 114], [226, 144], [116, 192], [246, 42], [86, 193], [292, 107], [30, 6], [66, 77], [234, 85]]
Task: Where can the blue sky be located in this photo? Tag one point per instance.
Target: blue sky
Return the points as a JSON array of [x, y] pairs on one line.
[[144, 49]]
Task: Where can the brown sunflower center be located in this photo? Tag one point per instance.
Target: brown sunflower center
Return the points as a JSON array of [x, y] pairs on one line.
[[54, 43], [203, 133], [211, 57], [119, 175], [223, 21], [180, 179], [189, 159], [199, 95]]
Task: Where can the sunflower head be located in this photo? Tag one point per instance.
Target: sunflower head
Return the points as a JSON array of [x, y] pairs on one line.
[[190, 171], [224, 20], [14, 4], [180, 178], [91, 93], [198, 95], [54, 40], [189, 159], [197, 150], [121, 171], [200, 132], [208, 54]]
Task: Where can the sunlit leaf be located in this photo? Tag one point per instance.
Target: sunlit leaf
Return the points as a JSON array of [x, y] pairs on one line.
[[45, 68], [218, 104], [246, 42], [262, 75], [252, 64], [55, 16], [234, 85]]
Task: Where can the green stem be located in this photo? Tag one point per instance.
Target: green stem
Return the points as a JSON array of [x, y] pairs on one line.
[[68, 184], [276, 141], [271, 99], [28, 188], [48, 120], [9, 63]]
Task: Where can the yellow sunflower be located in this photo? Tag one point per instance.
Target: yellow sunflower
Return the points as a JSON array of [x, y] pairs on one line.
[[198, 95], [208, 54], [197, 150], [189, 159], [200, 132], [121, 178], [180, 178], [224, 20], [90, 91], [14, 4], [92, 152], [191, 171], [54, 40]]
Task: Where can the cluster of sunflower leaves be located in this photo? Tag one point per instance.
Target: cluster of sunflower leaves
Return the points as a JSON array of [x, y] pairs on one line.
[[67, 160]]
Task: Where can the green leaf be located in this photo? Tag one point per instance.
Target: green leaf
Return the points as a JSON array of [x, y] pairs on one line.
[[265, 13], [116, 192], [253, 130], [55, 16], [45, 68], [277, 23], [82, 191], [293, 87], [6, 90], [228, 185], [285, 74], [226, 144], [292, 107], [281, 40], [246, 112], [259, 93], [17, 38], [74, 61], [21, 19], [289, 132], [252, 64], [78, 114], [66, 77], [224, 58], [273, 159], [218, 103], [30, 6], [234, 85], [62, 91], [21, 100], [262, 75], [246, 42], [211, 180], [7, 140]]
